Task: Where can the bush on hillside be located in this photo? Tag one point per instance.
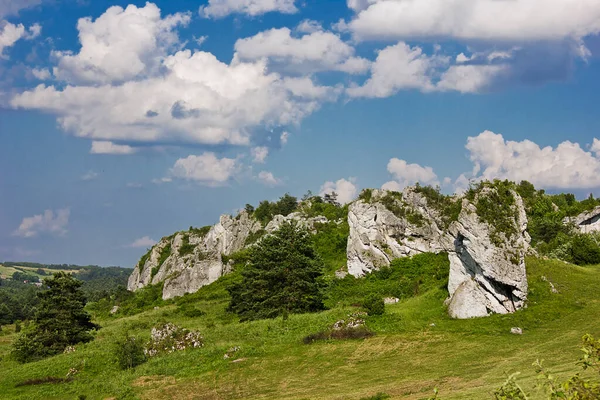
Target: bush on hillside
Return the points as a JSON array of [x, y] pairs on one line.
[[129, 352], [374, 304]]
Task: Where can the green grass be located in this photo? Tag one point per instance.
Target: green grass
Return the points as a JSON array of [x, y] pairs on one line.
[[416, 348], [7, 272]]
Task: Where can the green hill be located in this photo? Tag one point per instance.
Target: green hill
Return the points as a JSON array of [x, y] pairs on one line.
[[416, 347]]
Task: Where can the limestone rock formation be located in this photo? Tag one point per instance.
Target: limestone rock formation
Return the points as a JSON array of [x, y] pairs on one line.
[[487, 267], [189, 260], [378, 235], [186, 261], [586, 222]]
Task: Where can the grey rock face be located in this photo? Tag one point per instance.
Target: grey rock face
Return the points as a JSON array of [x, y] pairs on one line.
[[378, 236], [586, 222], [187, 271], [486, 276], [300, 219]]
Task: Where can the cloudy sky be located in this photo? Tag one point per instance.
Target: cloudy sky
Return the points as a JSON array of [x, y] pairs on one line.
[[124, 121]]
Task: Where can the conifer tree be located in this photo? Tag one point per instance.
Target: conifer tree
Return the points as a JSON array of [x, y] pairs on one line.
[[282, 276], [59, 322]]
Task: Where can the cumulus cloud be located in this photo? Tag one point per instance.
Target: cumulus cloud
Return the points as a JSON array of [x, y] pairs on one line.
[[345, 189], [223, 8], [144, 242], [267, 178], [206, 169], [119, 45], [11, 34], [110, 148], [50, 222], [406, 174], [397, 67], [567, 166], [202, 100], [259, 154], [309, 26], [533, 20], [41, 73], [315, 51]]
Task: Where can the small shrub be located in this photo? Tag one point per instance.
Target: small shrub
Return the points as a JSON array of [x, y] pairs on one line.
[[129, 352], [186, 248], [352, 327], [17, 327], [374, 304]]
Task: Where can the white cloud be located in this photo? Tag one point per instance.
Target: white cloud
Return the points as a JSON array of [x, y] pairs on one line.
[[191, 98], [89, 176], [119, 45], [145, 242], [134, 185], [12, 7], [396, 68], [111, 148], [316, 51], [223, 8], [205, 169], [11, 34], [309, 26], [567, 166], [495, 20], [408, 174], [284, 138], [470, 78], [41, 74], [259, 154], [267, 178], [51, 222], [200, 40], [345, 189]]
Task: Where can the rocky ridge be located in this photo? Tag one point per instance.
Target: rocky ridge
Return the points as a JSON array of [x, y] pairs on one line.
[[486, 251], [186, 261]]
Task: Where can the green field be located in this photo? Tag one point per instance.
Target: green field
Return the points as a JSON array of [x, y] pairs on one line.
[[7, 272], [416, 348]]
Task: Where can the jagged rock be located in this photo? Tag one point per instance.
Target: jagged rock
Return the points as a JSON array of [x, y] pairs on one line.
[[308, 223], [487, 268], [390, 300], [114, 309], [516, 331], [378, 236], [186, 272], [496, 266], [586, 222]]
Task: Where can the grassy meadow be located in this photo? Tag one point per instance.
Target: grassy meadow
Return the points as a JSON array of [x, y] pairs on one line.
[[416, 348]]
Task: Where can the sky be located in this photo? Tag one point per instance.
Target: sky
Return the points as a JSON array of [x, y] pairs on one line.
[[124, 121]]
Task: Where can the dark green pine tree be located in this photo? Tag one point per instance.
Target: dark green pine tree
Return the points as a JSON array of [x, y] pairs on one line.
[[59, 322], [283, 276]]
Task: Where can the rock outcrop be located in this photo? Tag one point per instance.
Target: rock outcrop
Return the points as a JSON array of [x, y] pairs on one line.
[[483, 233], [586, 222], [186, 261], [189, 260], [487, 267]]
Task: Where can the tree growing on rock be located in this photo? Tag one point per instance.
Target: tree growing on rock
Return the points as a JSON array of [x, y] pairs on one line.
[[60, 321], [283, 276]]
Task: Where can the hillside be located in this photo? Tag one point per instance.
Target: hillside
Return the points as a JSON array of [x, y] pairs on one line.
[[416, 347], [509, 250]]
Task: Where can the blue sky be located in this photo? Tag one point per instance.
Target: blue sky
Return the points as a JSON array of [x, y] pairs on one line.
[[122, 122]]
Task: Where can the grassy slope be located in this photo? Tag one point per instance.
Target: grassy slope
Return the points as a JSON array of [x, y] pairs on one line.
[[406, 359], [7, 272]]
